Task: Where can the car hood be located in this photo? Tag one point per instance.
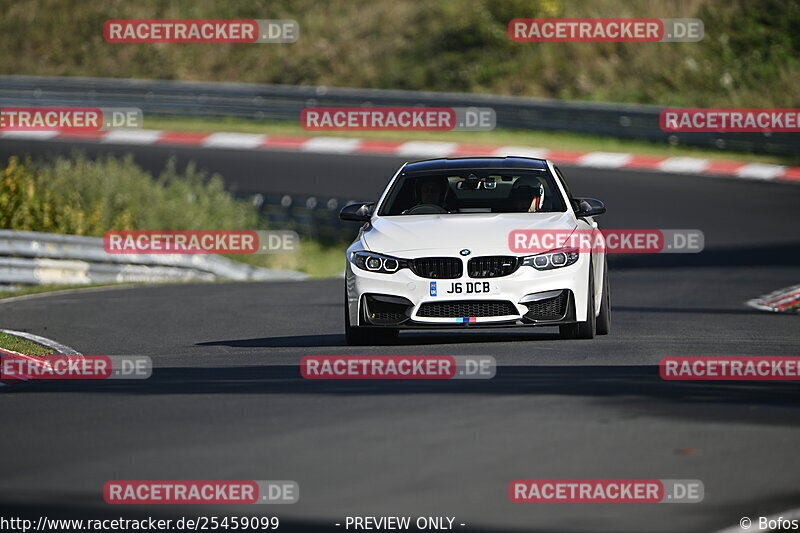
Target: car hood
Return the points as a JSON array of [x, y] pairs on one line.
[[481, 233]]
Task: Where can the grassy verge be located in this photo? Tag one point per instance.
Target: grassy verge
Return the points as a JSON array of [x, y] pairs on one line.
[[319, 260], [41, 289], [538, 139], [23, 346], [748, 57]]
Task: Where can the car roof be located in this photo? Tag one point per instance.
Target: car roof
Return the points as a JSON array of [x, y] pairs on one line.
[[457, 163]]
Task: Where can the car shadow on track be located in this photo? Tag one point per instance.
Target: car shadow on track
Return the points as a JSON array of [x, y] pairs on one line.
[[415, 338], [634, 390], [679, 310]]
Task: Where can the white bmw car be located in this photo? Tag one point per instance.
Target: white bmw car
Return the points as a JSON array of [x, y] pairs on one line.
[[433, 252]]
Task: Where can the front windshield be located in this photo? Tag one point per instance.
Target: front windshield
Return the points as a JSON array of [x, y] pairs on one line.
[[473, 191]]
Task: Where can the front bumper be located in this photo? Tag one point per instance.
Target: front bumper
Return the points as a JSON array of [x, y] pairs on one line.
[[527, 297]]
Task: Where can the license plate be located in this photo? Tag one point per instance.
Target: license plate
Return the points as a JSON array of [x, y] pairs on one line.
[[464, 287]]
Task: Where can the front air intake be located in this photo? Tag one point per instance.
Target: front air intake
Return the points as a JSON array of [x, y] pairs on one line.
[[548, 308], [437, 267], [492, 266], [475, 308]]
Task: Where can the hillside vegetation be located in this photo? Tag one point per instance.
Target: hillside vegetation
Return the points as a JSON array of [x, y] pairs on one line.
[[749, 57]]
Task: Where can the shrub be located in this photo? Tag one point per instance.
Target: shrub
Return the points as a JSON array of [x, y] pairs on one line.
[[81, 196]]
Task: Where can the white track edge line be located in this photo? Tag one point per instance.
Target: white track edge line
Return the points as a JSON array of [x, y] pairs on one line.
[[44, 341]]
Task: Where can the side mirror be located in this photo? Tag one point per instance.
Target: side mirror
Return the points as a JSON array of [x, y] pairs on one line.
[[357, 212], [588, 207]]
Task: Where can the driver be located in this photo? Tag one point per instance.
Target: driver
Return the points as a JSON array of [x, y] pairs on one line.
[[431, 191], [527, 196]]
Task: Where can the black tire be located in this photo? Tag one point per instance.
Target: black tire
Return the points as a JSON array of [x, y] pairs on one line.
[[359, 336], [582, 330], [604, 318]]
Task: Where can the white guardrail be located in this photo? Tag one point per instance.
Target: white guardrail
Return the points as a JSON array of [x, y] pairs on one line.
[[33, 258]]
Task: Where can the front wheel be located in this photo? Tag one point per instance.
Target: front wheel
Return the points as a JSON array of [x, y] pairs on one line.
[[582, 330], [357, 336], [604, 318]]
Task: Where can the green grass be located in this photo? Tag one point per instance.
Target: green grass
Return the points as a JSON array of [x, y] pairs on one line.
[[537, 139], [319, 260], [23, 346], [25, 290]]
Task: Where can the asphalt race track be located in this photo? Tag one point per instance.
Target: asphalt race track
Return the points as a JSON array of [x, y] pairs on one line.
[[226, 400]]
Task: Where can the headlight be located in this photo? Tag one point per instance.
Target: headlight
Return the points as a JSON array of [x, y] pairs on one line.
[[555, 259], [382, 264]]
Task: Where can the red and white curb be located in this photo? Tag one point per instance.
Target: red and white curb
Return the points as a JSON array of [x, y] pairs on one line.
[[422, 150], [53, 345], [785, 300], [17, 355]]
